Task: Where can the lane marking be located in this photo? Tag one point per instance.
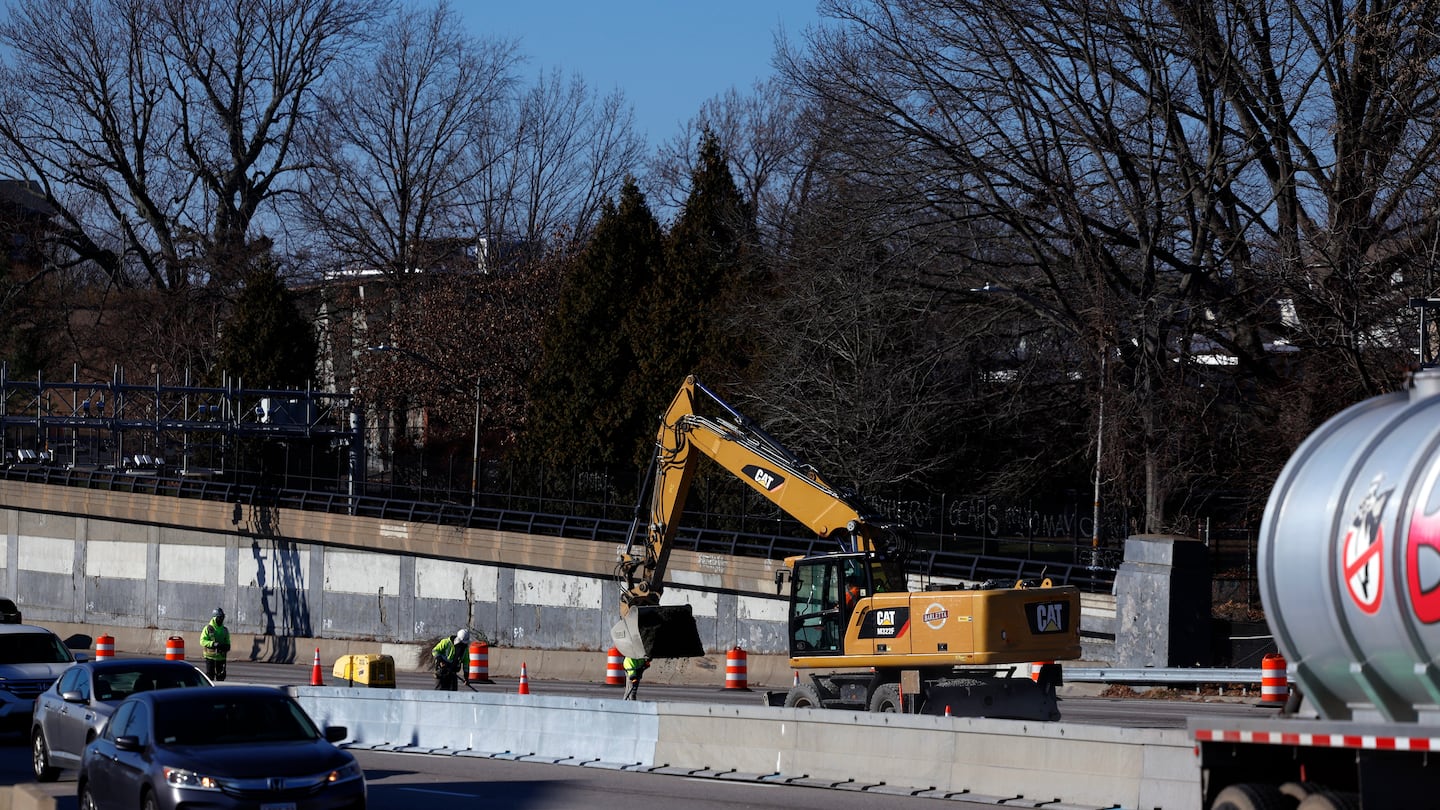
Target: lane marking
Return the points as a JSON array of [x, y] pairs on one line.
[[443, 792]]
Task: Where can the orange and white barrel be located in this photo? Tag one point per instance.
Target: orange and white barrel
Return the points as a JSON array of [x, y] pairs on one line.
[[479, 662], [1274, 683], [175, 648], [735, 669], [614, 668], [105, 646]]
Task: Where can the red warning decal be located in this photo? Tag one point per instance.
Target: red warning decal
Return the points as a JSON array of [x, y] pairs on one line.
[[1362, 561], [1422, 552]]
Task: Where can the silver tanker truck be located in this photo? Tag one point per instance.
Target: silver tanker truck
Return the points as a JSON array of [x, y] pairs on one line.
[[1349, 565]]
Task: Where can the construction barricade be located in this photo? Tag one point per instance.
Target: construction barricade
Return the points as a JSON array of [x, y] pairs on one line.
[[479, 663], [614, 668], [1274, 682], [736, 664], [175, 648]]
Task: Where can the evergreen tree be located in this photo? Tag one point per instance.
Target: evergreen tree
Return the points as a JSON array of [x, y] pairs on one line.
[[688, 320], [584, 410], [266, 343]]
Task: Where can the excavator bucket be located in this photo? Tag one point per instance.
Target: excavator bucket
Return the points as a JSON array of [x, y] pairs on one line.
[[659, 631]]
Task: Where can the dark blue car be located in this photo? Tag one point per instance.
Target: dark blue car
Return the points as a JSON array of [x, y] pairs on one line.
[[226, 747]]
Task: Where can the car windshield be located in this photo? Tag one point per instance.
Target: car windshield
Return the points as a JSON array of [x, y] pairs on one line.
[[118, 684], [32, 648], [201, 719]]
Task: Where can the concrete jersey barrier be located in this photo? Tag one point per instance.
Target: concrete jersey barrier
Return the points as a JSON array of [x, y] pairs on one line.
[[1077, 765], [25, 797]]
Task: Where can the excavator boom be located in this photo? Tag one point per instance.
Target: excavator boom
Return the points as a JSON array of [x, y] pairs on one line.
[[649, 630], [850, 608]]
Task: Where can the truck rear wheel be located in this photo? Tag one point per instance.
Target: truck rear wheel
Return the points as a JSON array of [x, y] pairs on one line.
[[1252, 797], [1328, 800]]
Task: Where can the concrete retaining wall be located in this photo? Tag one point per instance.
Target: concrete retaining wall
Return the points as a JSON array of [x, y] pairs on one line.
[[1077, 765], [145, 567], [121, 560]]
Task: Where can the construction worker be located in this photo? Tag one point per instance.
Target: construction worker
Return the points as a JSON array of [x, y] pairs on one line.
[[449, 658], [215, 642], [634, 669]]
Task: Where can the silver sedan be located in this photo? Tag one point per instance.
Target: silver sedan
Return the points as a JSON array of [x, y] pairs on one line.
[[72, 711]]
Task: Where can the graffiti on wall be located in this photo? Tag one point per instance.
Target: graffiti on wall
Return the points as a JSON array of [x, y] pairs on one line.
[[978, 516]]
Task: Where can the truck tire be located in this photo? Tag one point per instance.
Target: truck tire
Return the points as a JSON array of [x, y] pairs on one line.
[[1300, 791], [1330, 800], [1253, 797], [802, 696], [886, 699]]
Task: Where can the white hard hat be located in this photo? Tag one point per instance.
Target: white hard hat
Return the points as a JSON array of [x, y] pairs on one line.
[[462, 635]]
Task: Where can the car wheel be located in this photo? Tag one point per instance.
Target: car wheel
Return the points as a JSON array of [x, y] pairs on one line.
[[40, 758], [148, 802], [86, 802]]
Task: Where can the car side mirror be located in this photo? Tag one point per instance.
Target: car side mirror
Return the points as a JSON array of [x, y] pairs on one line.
[[336, 733], [72, 697], [127, 742]]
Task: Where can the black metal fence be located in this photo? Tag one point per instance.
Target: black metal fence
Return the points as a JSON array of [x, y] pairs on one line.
[[313, 450], [602, 522]]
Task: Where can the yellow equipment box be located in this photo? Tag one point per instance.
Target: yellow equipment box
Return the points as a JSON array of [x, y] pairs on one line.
[[375, 671]]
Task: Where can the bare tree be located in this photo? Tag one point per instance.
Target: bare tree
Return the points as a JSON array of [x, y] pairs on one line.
[[465, 347], [762, 134], [396, 151], [159, 129], [1149, 176], [567, 150]]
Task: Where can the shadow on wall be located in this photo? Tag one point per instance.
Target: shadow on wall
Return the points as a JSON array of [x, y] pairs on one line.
[[283, 603]]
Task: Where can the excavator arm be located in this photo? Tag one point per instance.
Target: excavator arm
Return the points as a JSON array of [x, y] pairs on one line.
[[649, 630]]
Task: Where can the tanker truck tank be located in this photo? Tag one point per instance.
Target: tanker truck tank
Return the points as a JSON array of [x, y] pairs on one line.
[[1349, 560]]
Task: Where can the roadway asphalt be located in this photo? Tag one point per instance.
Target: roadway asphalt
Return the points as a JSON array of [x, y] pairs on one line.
[[1084, 703], [398, 781]]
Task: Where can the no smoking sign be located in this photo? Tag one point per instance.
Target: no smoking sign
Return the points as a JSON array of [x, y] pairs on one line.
[[1363, 569]]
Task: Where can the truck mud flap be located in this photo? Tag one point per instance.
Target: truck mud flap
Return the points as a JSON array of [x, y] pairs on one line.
[[1005, 698], [658, 631]]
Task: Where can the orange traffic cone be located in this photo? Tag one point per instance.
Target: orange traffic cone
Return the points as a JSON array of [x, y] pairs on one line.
[[317, 679], [796, 682], [524, 680]]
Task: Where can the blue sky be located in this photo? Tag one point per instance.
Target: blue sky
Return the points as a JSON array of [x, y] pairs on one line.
[[667, 56]]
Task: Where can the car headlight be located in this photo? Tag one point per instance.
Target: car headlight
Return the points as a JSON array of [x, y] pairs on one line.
[[344, 773], [179, 777]]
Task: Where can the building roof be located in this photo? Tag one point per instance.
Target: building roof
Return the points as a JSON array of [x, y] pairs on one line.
[[25, 195]]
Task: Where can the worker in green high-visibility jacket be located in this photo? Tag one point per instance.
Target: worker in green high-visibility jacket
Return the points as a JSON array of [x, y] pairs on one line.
[[215, 644], [634, 669], [450, 660]]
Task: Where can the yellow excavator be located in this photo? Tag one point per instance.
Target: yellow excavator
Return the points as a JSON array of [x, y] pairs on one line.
[[865, 639]]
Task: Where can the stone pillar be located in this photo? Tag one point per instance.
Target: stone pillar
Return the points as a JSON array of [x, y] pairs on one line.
[[1162, 603]]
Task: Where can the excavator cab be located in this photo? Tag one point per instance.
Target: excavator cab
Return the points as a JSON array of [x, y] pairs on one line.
[[824, 592]]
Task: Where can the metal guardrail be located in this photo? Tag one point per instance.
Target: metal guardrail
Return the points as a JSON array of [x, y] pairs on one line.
[[1160, 675]]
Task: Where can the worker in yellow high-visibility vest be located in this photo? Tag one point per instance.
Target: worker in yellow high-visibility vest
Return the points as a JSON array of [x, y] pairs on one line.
[[634, 669]]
